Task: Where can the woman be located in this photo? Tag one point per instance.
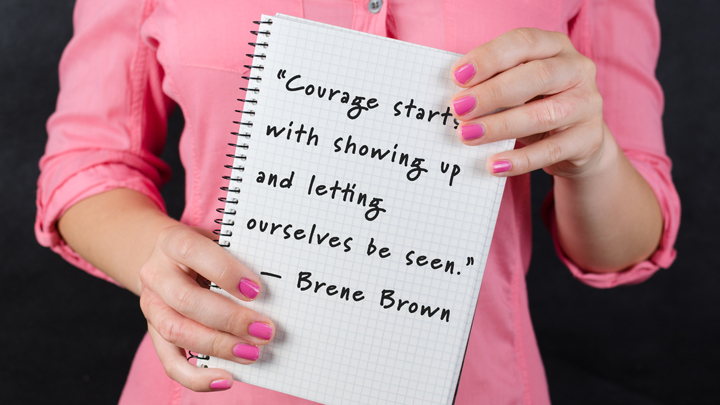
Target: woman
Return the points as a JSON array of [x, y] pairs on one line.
[[594, 124]]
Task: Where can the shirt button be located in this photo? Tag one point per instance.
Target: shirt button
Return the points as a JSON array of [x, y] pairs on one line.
[[374, 6]]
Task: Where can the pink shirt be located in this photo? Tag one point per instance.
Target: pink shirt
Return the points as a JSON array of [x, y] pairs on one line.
[[130, 61]]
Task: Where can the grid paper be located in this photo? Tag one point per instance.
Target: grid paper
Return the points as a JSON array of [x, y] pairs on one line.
[[339, 351]]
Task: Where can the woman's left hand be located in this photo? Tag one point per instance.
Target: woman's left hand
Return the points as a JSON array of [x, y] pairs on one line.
[[557, 110]]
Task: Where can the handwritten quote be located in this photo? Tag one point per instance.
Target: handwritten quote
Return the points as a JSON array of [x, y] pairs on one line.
[[372, 207]]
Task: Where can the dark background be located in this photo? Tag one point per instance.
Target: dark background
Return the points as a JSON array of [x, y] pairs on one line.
[[67, 337]]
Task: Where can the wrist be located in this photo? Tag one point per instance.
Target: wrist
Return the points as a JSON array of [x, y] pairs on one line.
[[606, 160], [607, 216], [130, 222]]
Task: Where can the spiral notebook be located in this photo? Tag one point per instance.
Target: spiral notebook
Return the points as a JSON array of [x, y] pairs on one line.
[[366, 218]]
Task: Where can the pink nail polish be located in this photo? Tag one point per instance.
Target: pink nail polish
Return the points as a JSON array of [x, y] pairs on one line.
[[464, 105], [464, 73], [501, 166], [260, 330], [220, 384], [247, 352], [248, 288], [472, 131]]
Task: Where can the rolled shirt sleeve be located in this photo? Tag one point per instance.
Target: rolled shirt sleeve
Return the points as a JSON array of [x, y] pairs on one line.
[[623, 39], [109, 127]]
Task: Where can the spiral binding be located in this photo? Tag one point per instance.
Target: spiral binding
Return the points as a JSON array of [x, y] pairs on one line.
[[234, 179]]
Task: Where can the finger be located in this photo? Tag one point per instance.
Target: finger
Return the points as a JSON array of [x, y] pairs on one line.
[[542, 115], [522, 83], [188, 249], [506, 51], [571, 149], [188, 334], [207, 308], [192, 377]]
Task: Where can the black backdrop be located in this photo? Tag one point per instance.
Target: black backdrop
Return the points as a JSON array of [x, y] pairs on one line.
[[67, 337]]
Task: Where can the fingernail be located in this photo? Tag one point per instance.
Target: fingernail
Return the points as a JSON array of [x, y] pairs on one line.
[[472, 131], [464, 73], [501, 166], [220, 384], [247, 352], [248, 288], [260, 330], [464, 105]]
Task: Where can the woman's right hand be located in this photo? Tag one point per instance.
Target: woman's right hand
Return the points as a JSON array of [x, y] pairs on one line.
[[183, 315]]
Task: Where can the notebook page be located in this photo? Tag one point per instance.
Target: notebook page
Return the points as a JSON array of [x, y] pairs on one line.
[[394, 328]]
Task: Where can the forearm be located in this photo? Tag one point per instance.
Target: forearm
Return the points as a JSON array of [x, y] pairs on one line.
[[607, 219], [115, 232]]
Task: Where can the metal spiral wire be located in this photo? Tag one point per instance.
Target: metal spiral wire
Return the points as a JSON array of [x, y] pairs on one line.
[[234, 179]]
